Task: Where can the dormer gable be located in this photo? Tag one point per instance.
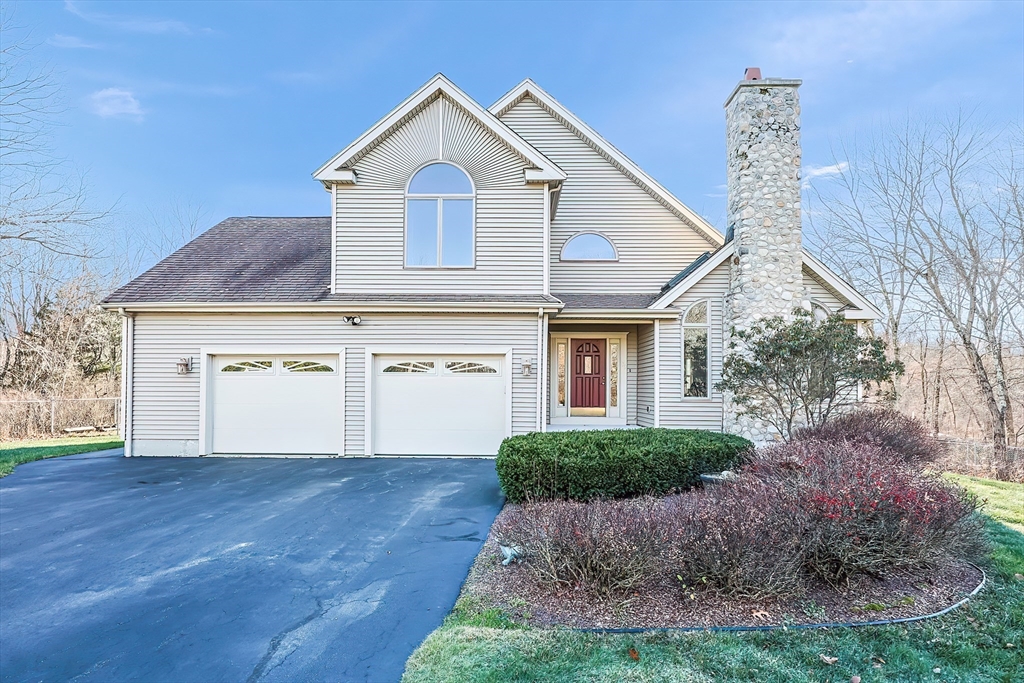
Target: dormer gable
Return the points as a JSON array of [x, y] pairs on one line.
[[341, 168]]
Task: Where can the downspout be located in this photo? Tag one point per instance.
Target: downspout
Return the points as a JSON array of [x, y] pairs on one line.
[[547, 240], [127, 377], [334, 238], [657, 372], [544, 363], [540, 383]]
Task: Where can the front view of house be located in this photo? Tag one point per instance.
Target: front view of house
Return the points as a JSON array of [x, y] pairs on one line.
[[483, 272]]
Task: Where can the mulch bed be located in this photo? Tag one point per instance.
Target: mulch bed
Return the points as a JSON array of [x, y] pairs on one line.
[[514, 590]]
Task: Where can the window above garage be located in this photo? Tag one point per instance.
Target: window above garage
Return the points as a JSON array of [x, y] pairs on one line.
[[439, 212]]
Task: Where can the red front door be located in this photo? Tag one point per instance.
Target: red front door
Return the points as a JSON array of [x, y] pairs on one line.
[[588, 377]]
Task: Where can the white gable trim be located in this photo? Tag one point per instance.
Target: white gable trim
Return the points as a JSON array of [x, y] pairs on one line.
[[696, 276], [530, 89], [335, 171], [863, 309], [866, 309]]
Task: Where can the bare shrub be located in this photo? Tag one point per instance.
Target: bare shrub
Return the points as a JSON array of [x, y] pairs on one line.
[[741, 539], [900, 436], [604, 546], [861, 511]]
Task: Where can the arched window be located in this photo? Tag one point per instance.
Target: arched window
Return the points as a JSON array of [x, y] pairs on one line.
[[588, 246], [820, 311], [695, 329], [439, 218]]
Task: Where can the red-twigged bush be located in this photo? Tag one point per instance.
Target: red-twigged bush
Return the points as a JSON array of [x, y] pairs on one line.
[[606, 546], [741, 539], [901, 436], [862, 511]]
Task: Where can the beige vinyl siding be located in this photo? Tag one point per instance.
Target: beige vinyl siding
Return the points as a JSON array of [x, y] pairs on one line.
[[370, 244], [820, 293], [691, 412], [355, 400], [631, 376], [166, 405], [653, 243], [645, 376]]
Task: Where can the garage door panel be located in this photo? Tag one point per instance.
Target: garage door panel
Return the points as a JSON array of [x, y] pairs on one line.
[[449, 405], [269, 410]]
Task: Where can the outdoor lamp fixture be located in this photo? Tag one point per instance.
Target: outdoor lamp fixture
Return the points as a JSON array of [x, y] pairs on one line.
[[184, 365], [351, 319], [527, 368]]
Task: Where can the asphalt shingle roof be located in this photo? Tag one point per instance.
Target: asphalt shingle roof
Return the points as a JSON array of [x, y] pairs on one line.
[[242, 259], [607, 300]]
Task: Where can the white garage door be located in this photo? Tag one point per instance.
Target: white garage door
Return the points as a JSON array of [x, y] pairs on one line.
[[269, 405], [439, 405]]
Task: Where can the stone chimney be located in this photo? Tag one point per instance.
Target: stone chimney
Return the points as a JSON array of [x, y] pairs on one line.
[[763, 146]]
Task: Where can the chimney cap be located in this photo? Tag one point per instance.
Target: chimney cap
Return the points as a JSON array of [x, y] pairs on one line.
[[752, 73]]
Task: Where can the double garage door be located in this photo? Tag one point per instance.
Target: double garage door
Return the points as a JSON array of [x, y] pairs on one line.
[[419, 405]]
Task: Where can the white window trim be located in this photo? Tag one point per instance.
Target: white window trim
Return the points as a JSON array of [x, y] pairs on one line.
[[615, 249], [206, 373], [440, 225], [683, 327]]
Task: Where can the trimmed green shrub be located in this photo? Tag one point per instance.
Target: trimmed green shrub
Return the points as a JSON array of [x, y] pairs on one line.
[[614, 463]]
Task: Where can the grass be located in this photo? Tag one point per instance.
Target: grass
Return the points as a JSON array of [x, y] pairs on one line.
[[1004, 501], [14, 453], [972, 643]]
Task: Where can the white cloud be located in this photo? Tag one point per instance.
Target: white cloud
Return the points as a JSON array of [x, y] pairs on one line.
[[115, 103], [121, 22], [826, 34], [71, 42], [809, 173]]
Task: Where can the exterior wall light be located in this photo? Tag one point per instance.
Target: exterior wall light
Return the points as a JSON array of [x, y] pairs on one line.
[[527, 368], [184, 365], [351, 319]]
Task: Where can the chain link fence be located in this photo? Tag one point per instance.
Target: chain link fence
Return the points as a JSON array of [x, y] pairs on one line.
[[979, 459], [41, 418]]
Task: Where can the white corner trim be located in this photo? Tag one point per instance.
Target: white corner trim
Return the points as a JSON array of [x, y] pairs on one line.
[[870, 311], [657, 372], [666, 299], [128, 372], [545, 168], [542, 361], [606, 149], [540, 374], [342, 357], [334, 237]]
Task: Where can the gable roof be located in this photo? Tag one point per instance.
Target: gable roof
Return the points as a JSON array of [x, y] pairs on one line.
[[623, 163], [863, 309], [338, 169]]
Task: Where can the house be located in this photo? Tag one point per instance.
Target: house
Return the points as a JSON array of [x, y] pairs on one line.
[[483, 272]]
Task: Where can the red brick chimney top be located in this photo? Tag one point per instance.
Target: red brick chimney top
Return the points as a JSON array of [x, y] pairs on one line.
[[752, 73]]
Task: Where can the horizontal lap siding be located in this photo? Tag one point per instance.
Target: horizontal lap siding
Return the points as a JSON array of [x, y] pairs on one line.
[[631, 377], [694, 413], [821, 294], [509, 214], [166, 405], [645, 376], [653, 243]]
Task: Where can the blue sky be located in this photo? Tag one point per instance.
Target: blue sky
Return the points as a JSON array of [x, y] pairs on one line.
[[234, 104]]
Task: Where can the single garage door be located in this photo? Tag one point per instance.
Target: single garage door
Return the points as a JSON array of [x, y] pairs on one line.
[[439, 405], [276, 405]]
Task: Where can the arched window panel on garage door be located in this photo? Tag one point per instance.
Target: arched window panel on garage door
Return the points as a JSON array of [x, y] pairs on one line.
[[470, 367], [292, 365], [255, 365], [410, 367]]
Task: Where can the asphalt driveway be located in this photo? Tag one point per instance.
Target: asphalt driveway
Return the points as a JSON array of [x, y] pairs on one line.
[[211, 569]]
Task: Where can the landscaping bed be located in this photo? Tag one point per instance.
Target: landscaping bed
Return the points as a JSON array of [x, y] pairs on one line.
[[665, 603]]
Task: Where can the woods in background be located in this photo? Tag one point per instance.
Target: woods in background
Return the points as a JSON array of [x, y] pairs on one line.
[[927, 220]]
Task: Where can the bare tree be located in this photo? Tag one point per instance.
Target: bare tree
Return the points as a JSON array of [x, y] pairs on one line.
[[40, 202], [929, 221]]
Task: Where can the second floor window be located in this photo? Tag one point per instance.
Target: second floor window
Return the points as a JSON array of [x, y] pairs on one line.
[[439, 218]]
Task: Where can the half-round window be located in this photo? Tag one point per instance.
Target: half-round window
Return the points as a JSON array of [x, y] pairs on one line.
[[588, 246], [439, 218], [820, 311]]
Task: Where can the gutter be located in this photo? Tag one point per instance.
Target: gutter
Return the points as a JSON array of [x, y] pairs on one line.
[[331, 307]]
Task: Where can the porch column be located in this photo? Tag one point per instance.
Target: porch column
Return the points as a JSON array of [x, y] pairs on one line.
[[657, 372]]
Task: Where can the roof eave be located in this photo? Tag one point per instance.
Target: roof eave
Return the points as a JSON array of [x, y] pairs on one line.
[[331, 307]]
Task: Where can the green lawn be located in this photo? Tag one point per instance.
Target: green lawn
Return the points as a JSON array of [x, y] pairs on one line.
[[972, 643], [1004, 501], [14, 453]]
